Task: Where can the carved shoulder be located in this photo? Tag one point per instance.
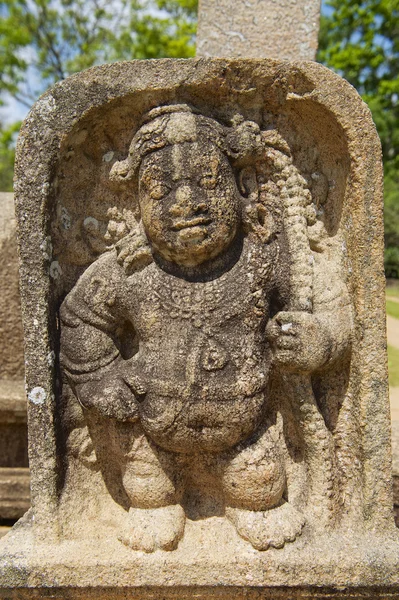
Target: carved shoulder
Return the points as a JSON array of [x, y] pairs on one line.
[[95, 297]]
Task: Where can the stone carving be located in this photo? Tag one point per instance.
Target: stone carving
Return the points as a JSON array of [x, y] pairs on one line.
[[171, 338], [202, 291]]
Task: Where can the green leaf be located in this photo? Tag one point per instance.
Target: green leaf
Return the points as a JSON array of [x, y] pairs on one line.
[[360, 41], [44, 41]]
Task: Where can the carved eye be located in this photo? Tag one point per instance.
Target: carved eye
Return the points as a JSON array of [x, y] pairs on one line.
[[208, 181], [159, 191]]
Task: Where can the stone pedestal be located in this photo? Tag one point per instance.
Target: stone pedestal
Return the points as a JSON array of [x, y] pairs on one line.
[[338, 566], [203, 295]]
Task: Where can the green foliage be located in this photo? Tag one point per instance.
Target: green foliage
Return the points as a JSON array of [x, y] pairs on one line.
[[44, 41], [170, 32], [7, 145], [391, 262], [360, 40], [391, 210]]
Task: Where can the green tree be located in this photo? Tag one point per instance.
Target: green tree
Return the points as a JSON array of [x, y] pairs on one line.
[[360, 41], [7, 144], [44, 41], [170, 32]]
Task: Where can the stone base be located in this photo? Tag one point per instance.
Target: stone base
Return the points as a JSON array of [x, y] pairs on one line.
[[211, 562], [201, 593]]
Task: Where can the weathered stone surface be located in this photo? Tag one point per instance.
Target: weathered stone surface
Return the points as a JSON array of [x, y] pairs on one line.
[[13, 432], [12, 402], [14, 493], [215, 593], [4, 529], [203, 295], [11, 334], [14, 480], [286, 30], [13, 428]]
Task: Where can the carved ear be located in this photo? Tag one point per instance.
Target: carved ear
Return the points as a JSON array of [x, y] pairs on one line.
[[120, 171], [247, 182]]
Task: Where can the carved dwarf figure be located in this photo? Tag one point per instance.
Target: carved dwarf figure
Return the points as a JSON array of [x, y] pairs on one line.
[[172, 335]]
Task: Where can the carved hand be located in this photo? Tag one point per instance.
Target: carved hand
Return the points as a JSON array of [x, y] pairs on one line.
[[300, 341], [115, 396], [134, 252]]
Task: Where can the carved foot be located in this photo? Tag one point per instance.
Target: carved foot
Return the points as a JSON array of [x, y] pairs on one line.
[[150, 529], [267, 528]]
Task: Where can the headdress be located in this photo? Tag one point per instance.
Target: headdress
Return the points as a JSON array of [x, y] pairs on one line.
[[178, 123]]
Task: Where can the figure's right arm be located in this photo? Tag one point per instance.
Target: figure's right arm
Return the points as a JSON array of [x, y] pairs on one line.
[[90, 317]]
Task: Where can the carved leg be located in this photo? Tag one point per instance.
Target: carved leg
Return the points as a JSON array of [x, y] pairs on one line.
[[153, 485], [253, 484]]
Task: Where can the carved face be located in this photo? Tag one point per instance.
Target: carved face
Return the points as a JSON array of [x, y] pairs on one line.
[[189, 202]]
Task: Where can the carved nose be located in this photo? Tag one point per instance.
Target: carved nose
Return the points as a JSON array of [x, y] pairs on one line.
[[183, 194], [186, 203], [182, 202]]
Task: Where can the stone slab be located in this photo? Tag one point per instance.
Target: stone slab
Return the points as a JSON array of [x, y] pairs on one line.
[[13, 408], [201, 593], [13, 426], [287, 29], [12, 401], [193, 567], [11, 334], [14, 492], [73, 137]]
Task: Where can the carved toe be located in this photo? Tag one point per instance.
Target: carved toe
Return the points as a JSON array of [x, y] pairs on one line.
[[270, 528], [150, 529]]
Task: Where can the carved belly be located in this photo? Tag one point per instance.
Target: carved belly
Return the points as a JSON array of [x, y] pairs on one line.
[[187, 424]]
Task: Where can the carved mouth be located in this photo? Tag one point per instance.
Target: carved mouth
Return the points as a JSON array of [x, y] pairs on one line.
[[192, 235], [178, 225]]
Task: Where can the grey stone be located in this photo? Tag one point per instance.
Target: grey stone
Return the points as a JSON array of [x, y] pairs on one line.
[[286, 30], [203, 295]]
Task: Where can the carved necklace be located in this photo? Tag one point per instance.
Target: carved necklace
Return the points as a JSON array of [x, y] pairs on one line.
[[197, 301]]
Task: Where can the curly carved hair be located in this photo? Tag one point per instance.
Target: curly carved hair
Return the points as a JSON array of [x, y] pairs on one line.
[[178, 123]]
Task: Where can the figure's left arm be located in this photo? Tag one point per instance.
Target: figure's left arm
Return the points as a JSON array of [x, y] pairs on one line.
[[306, 342]]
